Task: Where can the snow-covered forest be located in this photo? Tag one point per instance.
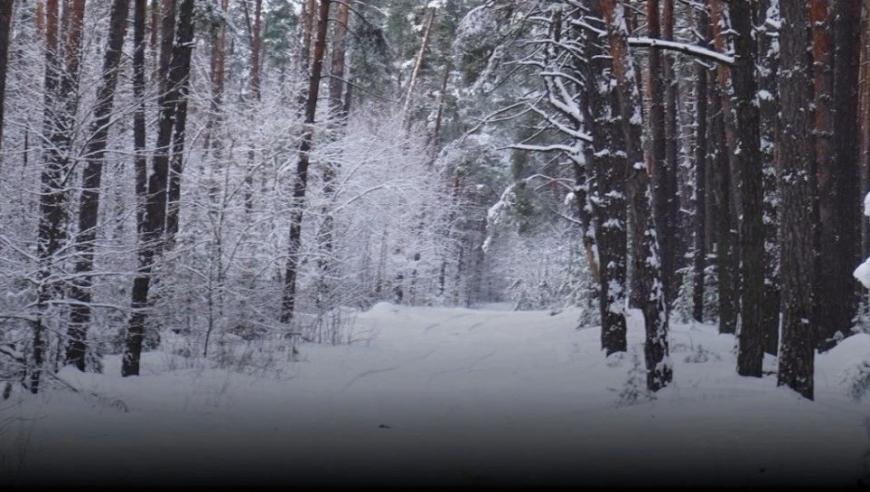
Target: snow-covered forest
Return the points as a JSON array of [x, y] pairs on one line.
[[434, 242]]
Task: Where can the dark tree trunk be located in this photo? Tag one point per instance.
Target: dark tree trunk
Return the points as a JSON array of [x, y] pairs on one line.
[[61, 85], [647, 260], [699, 261], [750, 193], [840, 240], [288, 303], [176, 166], [167, 38], [822, 25], [660, 166], [176, 163], [309, 19], [140, 161], [797, 188], [326, 233], [607, 192], [256, 48], [865, 122], [89, 203], [50, 197], [154, 34], [726, 257], [151, 237], [769, 114], [6, 10], [671, 250]]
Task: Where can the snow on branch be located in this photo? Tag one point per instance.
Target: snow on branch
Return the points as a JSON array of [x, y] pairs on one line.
[[686, 48]]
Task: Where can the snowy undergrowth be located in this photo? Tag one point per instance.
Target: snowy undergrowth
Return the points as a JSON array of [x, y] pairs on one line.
[[450, 394]]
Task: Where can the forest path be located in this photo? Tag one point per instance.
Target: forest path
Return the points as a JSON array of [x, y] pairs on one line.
[[447, 396]]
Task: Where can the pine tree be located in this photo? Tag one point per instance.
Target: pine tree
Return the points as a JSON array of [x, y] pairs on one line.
[[797, 189], [750, 192], [288, 303], [6, 10], [151, 235], [89, 202]]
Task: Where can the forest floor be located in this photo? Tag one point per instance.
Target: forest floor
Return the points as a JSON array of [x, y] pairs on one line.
[[446, 396]]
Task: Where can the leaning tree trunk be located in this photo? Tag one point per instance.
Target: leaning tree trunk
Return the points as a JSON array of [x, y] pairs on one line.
[[89, 202], [151, 237], [797, 189], [288, 302], [418, 64], [750, 192]]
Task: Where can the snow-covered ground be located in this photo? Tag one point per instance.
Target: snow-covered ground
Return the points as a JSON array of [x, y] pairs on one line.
[[438, 396]]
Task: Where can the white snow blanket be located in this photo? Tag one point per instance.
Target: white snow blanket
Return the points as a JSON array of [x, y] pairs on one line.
[[447, 396]]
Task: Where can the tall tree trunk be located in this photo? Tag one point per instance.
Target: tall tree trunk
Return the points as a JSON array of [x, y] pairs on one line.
[[309, 18], [213, 143], [40, 14], [822, 25], [167, 38], [839, 252], [726, 257], [6, 10], [672, 245], [607, 192], [865, 122], [61, 85], [750, 193], [660, 169], [256, 32], [151, 237], [699, 261], [176, 166], [154, 35], [797, 188], [326, 233], [288, 303], [89, 203], [140, 161], [647, 261], [256, 48], [768, 67], [51, 196]]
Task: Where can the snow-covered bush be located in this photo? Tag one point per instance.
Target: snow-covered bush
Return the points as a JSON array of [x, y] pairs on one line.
[[635, 390]]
